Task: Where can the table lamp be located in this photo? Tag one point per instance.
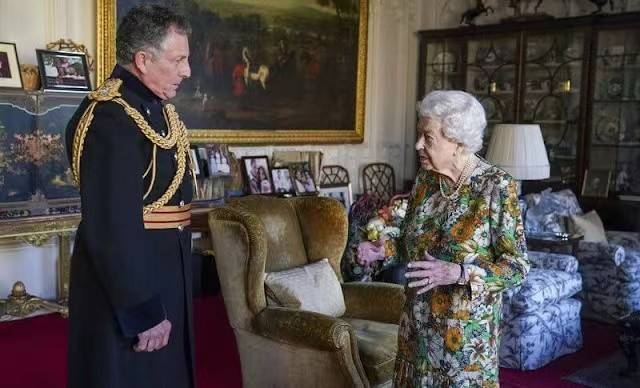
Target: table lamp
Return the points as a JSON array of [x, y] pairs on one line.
[[519, 150]]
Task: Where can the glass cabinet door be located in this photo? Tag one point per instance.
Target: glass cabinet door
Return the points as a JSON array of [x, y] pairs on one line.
[[491, 69], [443, 67], [614, 144], [551, 96]]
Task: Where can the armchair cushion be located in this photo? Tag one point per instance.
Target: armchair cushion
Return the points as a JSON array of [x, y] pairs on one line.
[[314, 287], [556, 261], [374, 301], [377, 345], [543, 287], [590, 226]]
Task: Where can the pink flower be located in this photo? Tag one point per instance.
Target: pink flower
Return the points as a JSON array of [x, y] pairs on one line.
[[370, 252]]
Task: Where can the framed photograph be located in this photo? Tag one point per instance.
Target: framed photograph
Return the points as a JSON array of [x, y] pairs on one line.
[[257, 175], [341, 193], [302, 179], [219, 160], [10, 76], [63, 70], [596, 183], [281, 180], [252, 57], [203, 160], [195, 161]]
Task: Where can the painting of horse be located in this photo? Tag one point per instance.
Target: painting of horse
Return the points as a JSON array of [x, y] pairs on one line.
[[271, 65]]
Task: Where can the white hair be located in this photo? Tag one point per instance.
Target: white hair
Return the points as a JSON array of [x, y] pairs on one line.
[[461, 116]]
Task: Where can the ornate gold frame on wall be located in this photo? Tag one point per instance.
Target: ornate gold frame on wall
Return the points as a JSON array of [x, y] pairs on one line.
[[106, 59]]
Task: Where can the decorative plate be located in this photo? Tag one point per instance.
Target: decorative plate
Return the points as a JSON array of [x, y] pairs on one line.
[[607, 129], [614, 88]]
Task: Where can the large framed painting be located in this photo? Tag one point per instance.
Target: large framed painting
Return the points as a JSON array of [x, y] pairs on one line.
[[264, 71]]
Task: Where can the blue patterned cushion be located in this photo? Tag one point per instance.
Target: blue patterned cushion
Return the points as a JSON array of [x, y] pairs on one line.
[[548, 211], [557, 261], [542, 287], [532, 340]]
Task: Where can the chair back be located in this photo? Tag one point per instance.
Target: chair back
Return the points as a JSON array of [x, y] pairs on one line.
[[379, 180]]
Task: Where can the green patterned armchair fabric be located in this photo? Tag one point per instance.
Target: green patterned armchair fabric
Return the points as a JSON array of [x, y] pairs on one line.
[[283, 347]]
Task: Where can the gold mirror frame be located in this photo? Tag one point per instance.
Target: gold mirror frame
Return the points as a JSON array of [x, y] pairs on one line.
[[105, 46]]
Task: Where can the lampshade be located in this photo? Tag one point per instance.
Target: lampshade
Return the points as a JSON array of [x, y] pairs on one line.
[[519, 150]]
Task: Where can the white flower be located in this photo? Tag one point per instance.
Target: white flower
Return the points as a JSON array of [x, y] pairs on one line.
[[391, 231]]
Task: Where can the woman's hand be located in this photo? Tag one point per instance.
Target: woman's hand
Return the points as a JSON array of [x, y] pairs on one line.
[[369, 252], [431, 273]]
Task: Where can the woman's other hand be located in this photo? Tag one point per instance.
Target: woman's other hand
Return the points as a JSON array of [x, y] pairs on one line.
[[431, 272]]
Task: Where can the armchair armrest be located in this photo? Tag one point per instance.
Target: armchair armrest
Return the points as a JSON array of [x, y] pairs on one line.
[[598, 253], [305, 328], [374, 301], [556, 261]]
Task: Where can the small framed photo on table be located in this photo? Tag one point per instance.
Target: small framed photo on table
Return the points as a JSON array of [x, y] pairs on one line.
[[342, 193], [62, 70], [281, 180], [257, 175], [219, 160], [10, 76], [596, 183], [303, 183]]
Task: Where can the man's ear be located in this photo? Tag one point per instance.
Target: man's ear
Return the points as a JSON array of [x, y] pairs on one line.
[[140, 61]]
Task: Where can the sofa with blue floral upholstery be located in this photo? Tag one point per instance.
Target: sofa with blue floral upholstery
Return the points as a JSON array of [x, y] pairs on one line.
[[609, 260], [541, 317]]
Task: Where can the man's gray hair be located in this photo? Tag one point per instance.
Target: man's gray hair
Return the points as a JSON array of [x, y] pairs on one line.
[[460, 115], [144, 28]]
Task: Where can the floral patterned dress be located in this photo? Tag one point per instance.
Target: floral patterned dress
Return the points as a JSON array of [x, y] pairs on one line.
[[448, 336]]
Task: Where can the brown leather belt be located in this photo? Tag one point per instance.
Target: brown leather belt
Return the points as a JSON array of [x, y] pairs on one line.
[[168, 217]]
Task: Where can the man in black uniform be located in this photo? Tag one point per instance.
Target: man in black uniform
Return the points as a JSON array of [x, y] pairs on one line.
[[130, 300]]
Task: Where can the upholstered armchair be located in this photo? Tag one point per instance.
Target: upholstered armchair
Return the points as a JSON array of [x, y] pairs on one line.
[[610, 268], [285, 347], [611, 273]]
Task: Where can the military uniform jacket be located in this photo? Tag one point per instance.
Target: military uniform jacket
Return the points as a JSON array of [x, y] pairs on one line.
[[126, 279]]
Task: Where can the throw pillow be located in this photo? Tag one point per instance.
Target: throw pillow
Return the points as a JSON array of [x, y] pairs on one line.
[[590, 226], [313, 287]]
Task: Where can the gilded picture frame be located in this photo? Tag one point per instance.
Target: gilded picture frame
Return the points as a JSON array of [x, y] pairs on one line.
[[348, 128]]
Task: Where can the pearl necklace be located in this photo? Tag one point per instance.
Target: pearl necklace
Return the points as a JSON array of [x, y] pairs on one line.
[[464, 174]]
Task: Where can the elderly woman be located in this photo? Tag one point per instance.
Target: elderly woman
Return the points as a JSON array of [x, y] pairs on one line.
[[464, 243]]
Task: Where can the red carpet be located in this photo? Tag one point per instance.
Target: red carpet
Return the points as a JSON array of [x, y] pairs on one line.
[[33, 353]]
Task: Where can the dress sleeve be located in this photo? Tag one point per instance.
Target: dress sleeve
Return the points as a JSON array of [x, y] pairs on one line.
[[507, 265]]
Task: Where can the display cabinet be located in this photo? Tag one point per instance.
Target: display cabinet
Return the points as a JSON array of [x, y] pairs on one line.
[[578, 78]]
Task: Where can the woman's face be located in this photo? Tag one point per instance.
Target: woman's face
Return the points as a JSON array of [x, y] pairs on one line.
[[262, 173], [434, 149]]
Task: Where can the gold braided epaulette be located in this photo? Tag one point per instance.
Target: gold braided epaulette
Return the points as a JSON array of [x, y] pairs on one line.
[[109, 90]]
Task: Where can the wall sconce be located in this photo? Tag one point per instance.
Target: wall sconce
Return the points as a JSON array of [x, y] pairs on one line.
[[566, 86], [492, 87]]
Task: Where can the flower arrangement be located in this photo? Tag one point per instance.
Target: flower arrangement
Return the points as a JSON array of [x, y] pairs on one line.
[[373, 241]]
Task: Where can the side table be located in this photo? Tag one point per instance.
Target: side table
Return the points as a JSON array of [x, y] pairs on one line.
[[554, 242]]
